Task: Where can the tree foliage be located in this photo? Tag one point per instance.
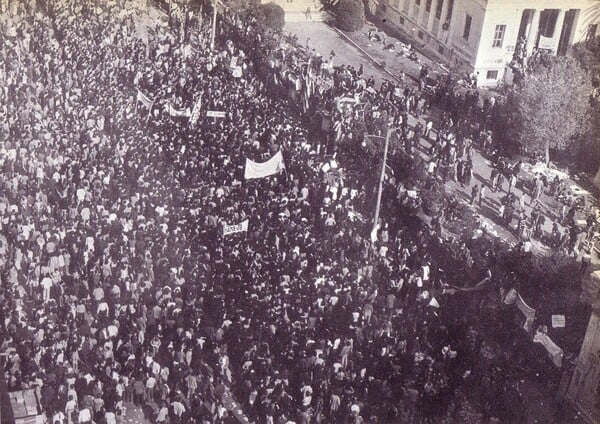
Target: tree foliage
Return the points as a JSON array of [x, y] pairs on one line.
[[271, 16], [552, 106], [587, 53], [350, 15]]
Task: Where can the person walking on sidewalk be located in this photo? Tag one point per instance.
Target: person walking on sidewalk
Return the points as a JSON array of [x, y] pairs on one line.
[[512, 182], [501, 179], [468, 172], [494, 178], [474, 193], [482, 193], [428, 129]]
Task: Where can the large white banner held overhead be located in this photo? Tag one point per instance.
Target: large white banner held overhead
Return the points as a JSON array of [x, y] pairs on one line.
[[264, 169]]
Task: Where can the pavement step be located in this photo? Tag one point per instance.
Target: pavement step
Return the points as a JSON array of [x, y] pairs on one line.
[[301, 17], [298, 6]]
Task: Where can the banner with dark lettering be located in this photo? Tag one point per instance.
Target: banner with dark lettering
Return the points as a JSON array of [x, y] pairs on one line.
[[236, 228]]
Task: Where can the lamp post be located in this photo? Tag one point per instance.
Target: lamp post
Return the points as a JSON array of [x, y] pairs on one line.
[[381, 176], [214, 25]]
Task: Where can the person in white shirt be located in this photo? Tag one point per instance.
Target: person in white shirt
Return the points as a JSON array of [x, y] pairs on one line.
[[110, 417], [59, 418], [178, 408], [163, 414], [150, 384], [46, 285], [85, 416]]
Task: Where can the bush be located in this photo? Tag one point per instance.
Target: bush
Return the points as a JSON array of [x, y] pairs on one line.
[[434, 199], [271, 16], [350, 15]]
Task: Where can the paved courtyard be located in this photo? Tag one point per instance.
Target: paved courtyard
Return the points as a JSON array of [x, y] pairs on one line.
[[321, 37]]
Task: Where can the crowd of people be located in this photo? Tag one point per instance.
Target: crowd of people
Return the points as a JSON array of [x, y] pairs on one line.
[[118, 283]]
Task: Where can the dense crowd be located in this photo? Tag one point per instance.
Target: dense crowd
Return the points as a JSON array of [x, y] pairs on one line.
[[117, 282]]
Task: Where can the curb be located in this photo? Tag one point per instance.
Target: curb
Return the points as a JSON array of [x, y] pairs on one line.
[[371, 58]]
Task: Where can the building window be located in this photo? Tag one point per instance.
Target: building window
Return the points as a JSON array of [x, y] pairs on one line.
[[438, 9], [450, 10], [499, 35], [428, 6], [467, 29], [492, 75]]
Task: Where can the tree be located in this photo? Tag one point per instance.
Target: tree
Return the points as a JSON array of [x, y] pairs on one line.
[[350, 15], [552, 106], [271, 16], [587, 53]]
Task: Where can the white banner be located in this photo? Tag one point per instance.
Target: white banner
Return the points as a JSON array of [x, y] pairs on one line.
[[143, 99], [558, 321], [554, 352], [236, 228], [546, 43], [178, 113], [215, 114], [264, 169], [527, 310]]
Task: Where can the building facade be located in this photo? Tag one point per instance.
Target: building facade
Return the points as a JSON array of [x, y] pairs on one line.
[[583, 389], [482, 35]]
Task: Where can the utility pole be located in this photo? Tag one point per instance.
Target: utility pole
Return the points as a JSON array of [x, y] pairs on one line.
[[379, 192], [214, 25], [386, 146]]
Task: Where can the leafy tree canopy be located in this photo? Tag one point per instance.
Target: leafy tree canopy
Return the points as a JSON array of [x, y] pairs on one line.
[[350, 15], [552, 106], [587, 53], [271, 15]]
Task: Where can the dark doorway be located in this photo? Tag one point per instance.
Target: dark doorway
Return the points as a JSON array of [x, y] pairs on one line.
[[566, 35], [525, 22], [548, 19]]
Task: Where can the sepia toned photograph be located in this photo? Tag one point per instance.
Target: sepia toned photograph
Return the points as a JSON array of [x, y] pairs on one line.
[[299, 211]]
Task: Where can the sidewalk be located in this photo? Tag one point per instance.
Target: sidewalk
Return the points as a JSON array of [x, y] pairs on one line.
[[393, 60], [357, 50]]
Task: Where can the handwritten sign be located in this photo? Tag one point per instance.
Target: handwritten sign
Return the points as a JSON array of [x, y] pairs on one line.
[[215, 114], [236, 228], [558, 321]]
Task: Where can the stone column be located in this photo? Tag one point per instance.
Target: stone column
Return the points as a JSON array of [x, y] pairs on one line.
[[533, 31], [558, 27], [444, 35], [432, 16]]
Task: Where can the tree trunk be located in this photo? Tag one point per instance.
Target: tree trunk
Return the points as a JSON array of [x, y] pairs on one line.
[[547, 153]]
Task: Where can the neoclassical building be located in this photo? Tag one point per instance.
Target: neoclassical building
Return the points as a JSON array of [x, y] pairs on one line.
[[482, 35]]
